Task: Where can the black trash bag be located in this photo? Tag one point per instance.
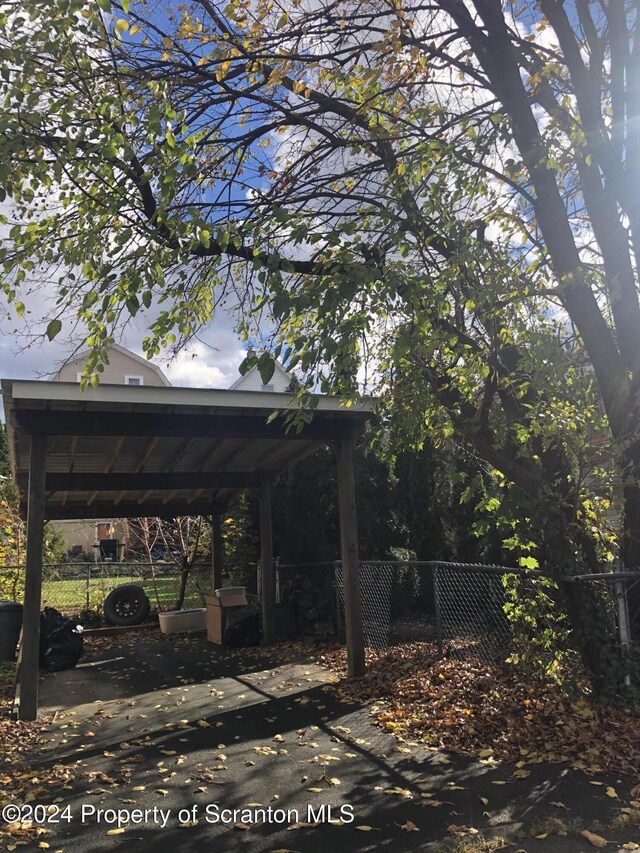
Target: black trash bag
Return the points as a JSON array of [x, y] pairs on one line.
[[243, 631], [50, 621], [61, 641]]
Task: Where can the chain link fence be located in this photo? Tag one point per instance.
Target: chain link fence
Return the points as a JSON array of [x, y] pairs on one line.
[[491, 613], [462, 608], [79, 589], [488, 612], [618, 595]]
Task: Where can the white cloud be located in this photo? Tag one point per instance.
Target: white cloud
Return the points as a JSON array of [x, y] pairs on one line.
[[201, 366]]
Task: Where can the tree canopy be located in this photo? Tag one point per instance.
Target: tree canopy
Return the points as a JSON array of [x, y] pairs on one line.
[[444, 191]]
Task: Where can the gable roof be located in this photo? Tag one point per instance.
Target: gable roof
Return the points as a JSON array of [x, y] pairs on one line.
[[279, 368], [123, 351]]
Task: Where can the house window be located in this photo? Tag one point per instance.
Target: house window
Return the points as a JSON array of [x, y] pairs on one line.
[[133, 380], [267, 387]]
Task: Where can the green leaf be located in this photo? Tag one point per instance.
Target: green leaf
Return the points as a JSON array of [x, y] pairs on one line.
[[266, 368], [53, 329], [133, 305]]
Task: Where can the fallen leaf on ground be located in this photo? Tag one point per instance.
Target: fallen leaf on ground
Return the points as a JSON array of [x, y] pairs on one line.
[[592, 838]]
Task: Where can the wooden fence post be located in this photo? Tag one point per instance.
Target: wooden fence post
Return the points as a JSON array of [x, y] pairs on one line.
[[267, 584], [217, 549], [350, 557]]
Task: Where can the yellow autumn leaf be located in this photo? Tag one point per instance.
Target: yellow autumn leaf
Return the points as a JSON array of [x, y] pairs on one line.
[[611, 792], [121, 26], [117, 831]]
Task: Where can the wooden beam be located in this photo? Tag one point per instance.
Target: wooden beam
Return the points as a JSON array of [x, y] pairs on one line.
[[88, 480], [233, 455], [127, 509], [110, 423], [268, 589], [206, 457], [145, 496], [30, 666], [178, 455], [72, 452], [114, 455], [146, 453], [92, 496], [350, 557], [217, 549], [170, 496]]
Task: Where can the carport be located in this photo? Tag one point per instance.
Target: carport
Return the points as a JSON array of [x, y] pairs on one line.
[[130, 451]]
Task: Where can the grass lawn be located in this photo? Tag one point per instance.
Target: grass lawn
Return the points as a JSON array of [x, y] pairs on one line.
[[71, 596]]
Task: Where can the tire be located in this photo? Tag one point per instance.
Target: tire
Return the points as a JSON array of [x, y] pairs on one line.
[[127, 605]]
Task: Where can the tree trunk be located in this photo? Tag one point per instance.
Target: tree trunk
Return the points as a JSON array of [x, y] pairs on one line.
[[185, 571], [587, 605], [631, 536]]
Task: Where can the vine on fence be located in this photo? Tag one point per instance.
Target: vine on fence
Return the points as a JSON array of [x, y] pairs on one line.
[[542, 646]]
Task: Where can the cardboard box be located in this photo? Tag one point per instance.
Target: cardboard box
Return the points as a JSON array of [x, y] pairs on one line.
[[215, 618], [218, 604]]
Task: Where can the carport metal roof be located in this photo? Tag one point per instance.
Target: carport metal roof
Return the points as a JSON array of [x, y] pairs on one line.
[[128, 451]]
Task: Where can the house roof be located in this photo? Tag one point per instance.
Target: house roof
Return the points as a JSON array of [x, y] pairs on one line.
[[126, 451], [80, 355], [279, 368]]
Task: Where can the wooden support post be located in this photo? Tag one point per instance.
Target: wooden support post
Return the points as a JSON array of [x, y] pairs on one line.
[[267, 584], [217, 549], [350, 557], [29, 671]]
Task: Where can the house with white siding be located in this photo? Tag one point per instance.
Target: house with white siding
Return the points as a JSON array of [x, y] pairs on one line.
[[106, 538]]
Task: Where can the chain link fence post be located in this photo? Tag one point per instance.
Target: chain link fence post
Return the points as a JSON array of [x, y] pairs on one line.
[[622, 607], [88, 592], [437, 613]]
